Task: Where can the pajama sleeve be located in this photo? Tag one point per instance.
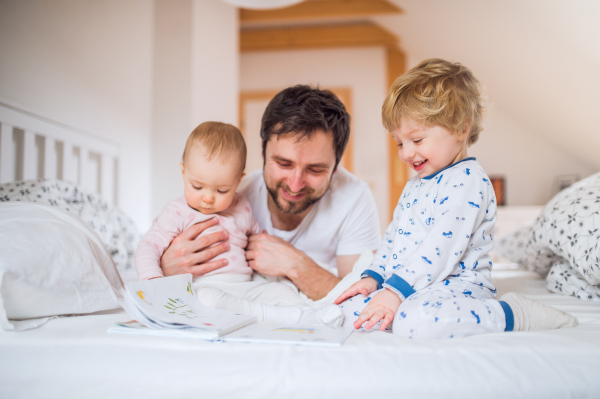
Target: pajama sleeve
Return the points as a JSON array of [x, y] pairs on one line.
[[379, 266], [164, 229], [459, 210]]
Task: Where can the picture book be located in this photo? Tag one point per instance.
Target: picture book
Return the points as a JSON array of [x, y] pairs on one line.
[[169, 306]]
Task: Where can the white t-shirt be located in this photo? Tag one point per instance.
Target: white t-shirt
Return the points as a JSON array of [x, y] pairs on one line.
[[343, 222]]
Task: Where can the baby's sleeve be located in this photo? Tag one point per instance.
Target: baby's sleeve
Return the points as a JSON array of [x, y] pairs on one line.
[[243, 208], [150, 249], [459, 210]]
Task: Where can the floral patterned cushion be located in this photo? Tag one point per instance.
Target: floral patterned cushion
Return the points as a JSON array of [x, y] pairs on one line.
[[521, 247], [563, 242], [116, 230], [570, 227], [563, 279]]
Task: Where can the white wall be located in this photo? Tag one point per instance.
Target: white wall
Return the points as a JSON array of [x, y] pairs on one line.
[[195, 80], [529, 163], [87, 65], [540, 62], [141, 73], [360, 69]]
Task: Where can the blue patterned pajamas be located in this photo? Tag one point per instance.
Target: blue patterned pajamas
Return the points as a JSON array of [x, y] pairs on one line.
[[434, 256], [452, 310]]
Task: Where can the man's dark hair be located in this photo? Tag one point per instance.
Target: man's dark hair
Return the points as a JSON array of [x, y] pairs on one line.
[[303, 110]]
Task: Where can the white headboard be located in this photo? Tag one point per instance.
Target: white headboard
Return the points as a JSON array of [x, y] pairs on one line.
[[33, 147]]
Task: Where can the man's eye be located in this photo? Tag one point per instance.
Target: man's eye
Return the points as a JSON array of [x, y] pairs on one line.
[[284, 164], [316, 171]]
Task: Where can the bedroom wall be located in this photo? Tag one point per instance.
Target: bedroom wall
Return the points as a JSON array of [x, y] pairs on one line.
[[360, 69], [195, 80], [529, 163], [141, 73], [86, 64]]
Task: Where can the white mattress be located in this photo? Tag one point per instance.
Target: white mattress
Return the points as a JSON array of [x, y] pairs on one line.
[[73, 357]]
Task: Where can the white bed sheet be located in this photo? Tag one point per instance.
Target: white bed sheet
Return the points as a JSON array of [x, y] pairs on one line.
[[73, 357]]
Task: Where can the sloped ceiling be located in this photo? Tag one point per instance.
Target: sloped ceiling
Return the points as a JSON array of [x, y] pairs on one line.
[[539, 60]]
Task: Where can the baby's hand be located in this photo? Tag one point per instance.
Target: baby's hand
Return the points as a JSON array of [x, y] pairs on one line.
[[364, 286], [383, 306]]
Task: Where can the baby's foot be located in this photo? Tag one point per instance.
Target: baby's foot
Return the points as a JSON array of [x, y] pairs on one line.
[[331, 315], [530, 315]]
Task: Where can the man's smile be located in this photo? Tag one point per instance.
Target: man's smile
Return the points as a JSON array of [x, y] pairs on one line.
[[291, 196]]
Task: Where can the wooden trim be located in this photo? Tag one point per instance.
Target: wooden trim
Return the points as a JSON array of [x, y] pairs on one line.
[[246, 96], [345, 96], [396, 66], [343, 93], [289, 38], [315, 9]]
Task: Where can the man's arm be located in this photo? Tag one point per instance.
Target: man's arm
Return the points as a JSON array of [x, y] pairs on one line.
[[345, 263], [273, 256]]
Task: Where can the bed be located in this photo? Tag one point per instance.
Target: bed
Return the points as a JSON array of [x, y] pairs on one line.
[[73, 356]]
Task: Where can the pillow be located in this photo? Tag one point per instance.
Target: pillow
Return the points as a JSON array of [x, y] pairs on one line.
[[569, 226], [51, 263], [562, 279], [521, 247], [116, 230]]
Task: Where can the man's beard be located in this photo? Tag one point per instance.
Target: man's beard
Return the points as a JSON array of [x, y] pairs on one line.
[[296, 207]]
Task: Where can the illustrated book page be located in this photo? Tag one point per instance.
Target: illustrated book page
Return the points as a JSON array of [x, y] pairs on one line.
[[171, 303]]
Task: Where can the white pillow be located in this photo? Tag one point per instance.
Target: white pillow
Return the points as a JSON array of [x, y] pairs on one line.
[[51, 263], [116, 230]]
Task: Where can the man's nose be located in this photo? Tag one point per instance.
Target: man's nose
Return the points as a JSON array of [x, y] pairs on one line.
[[296, 181]]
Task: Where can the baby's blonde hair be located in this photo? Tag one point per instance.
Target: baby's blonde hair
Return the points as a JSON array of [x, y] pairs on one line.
[[436, 92], [217, 139]]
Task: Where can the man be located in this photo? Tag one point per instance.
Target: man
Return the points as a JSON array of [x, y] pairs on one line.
[[309, 209]]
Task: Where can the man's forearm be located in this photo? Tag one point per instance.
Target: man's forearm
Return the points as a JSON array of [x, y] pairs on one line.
[[312, 279]]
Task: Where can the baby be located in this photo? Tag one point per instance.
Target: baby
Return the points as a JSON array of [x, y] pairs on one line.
[[431, 277], [212, 167]]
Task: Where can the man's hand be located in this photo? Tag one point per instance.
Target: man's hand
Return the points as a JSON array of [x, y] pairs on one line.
[[382, 306], [363, 286], [185, 254], [273, 256]]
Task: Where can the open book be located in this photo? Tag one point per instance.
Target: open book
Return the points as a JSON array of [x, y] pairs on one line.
[[169, 306], [277, 333]]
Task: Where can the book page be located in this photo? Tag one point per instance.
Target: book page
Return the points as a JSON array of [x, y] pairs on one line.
[[276, 333], [171, 302]]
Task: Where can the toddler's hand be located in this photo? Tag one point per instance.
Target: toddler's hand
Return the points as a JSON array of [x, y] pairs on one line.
[[382, 306], [364, 286]]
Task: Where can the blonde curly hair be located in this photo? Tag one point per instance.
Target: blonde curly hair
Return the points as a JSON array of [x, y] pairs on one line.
[[437, 92]]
